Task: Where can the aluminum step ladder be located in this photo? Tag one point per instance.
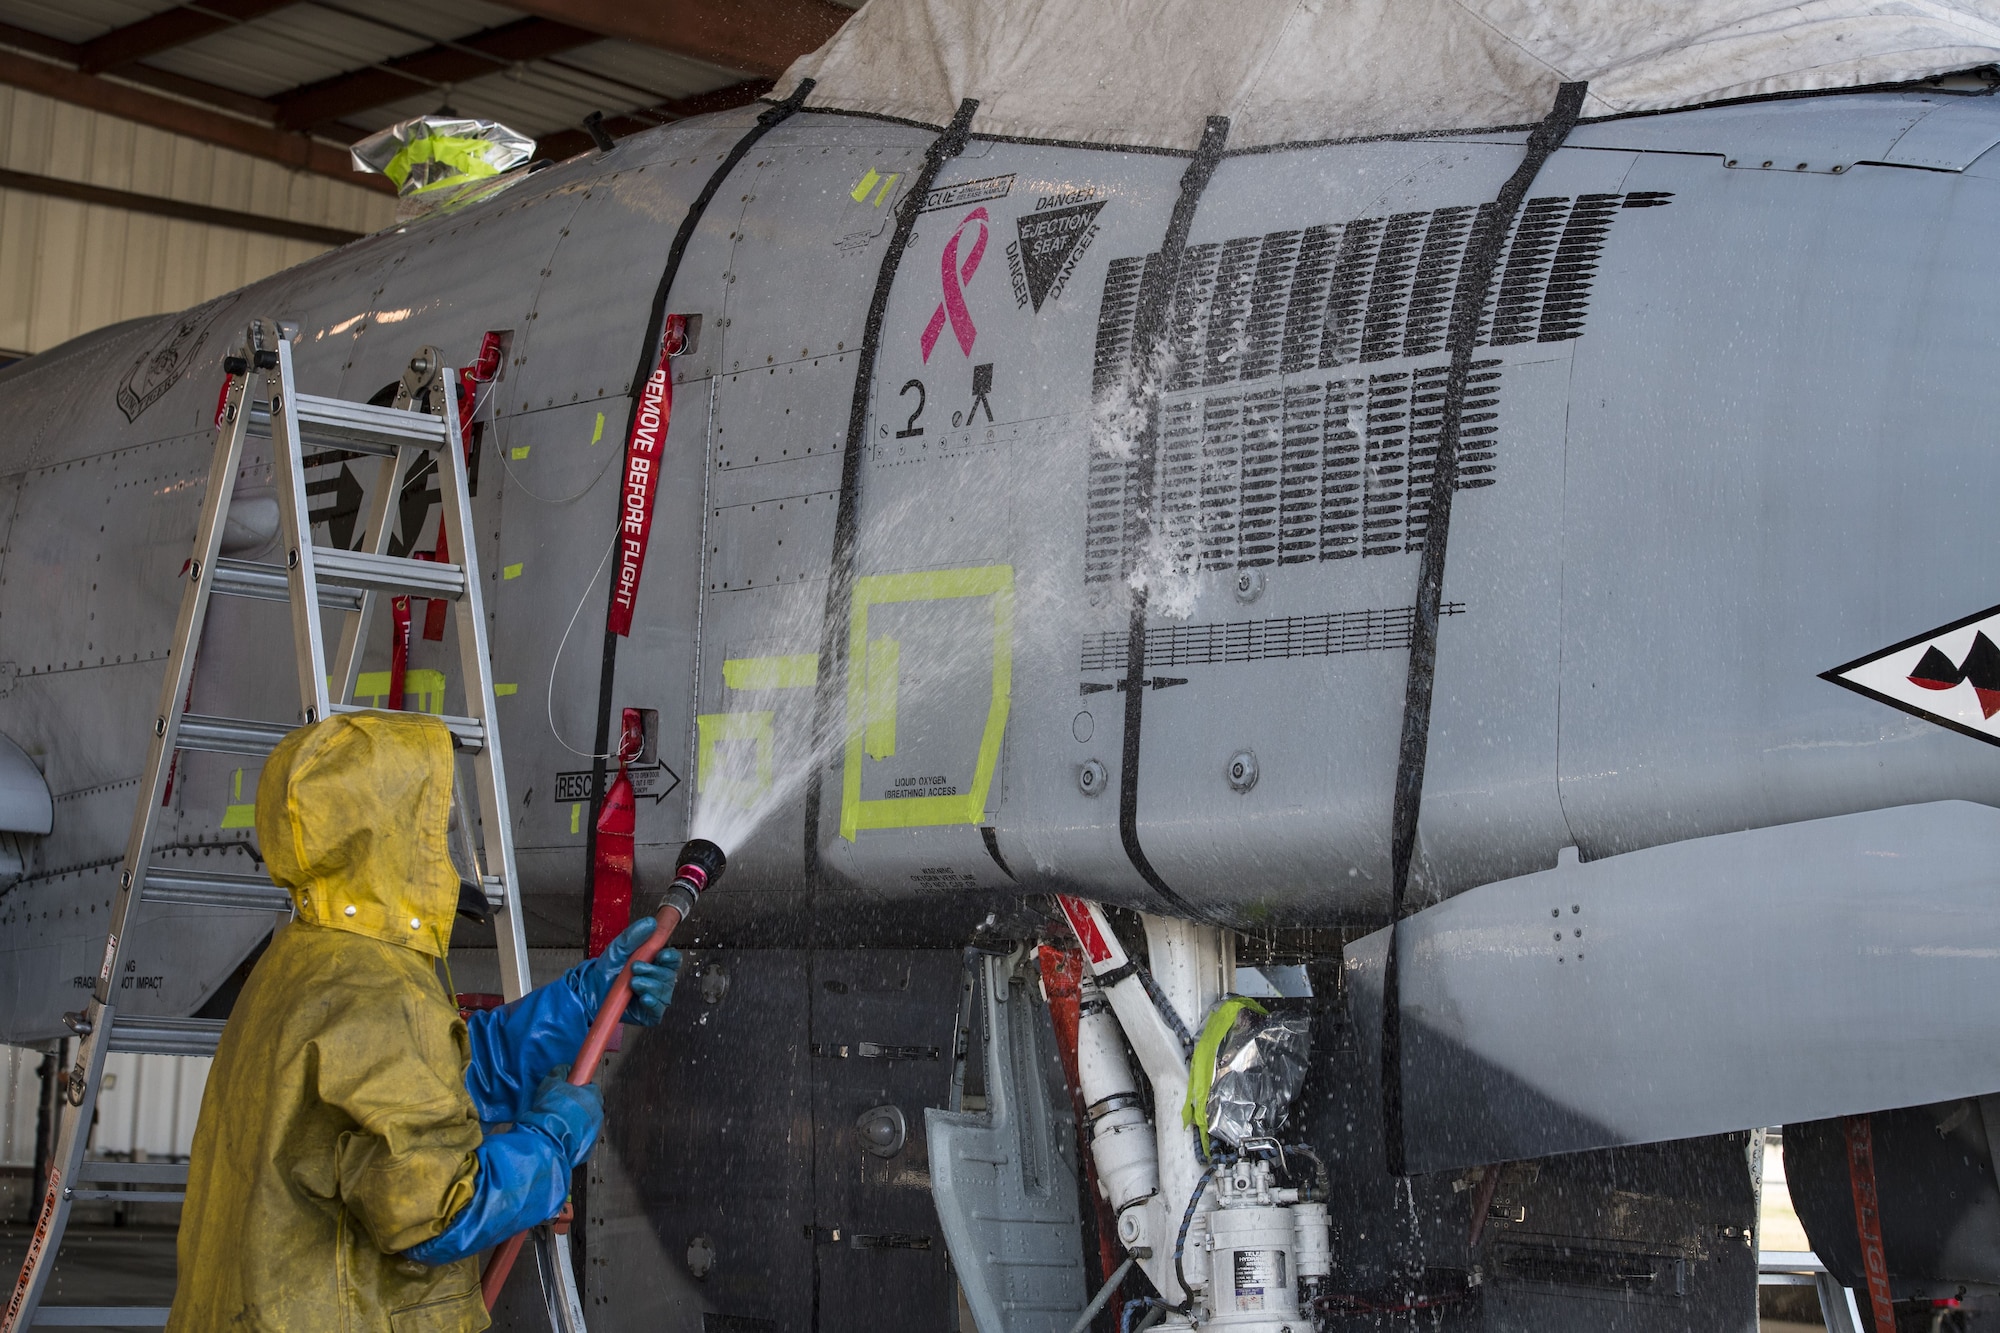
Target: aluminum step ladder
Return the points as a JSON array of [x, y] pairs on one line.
[[261, 402]]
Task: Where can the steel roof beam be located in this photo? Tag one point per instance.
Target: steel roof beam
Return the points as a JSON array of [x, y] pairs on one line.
[[455, 62], [756, 36], [164, 31], [175, 116], [160, 206], [40, 43], [179, 85]]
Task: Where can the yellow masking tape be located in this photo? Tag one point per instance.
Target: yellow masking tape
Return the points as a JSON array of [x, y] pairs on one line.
[[427, 685], [510, 572], [884, 671], [598, 433], [714, 731], [864, 185], [888, 184], [243, 815], [576, 817], [800, 671], [519, 452], [994, 581], [502, 691]]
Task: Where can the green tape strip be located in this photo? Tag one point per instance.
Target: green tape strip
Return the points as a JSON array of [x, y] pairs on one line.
[[464, 159], [1201, 1065]]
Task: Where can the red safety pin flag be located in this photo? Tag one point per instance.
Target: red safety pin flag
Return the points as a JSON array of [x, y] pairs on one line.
[[642, 477]]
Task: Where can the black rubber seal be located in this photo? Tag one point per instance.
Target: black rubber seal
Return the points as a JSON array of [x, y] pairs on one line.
[[840, 586], [1149, 325], [1482, 259], [649, 352]]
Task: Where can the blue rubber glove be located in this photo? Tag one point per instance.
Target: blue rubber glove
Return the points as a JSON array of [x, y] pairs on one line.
[[523, 1174], [515, 1046], [652, 983]]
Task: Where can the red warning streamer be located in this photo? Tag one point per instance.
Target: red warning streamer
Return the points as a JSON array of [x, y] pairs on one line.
[[1860, 1133], [642, 474], [399, 650], [469, 379], [612, 875]]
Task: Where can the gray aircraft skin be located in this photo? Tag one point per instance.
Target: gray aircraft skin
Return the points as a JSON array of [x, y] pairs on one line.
[[1726, 433]]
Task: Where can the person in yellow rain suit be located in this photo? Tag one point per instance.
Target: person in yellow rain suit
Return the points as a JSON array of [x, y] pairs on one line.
[[340, 1177]]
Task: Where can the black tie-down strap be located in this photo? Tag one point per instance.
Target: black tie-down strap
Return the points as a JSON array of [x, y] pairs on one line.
[[649, 354], [840, 587], [1482, 259], [1157, 283]]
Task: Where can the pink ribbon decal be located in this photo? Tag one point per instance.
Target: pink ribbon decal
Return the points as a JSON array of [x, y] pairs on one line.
[[955, 278]]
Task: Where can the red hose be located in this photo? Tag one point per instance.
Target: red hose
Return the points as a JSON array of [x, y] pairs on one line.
[[585, 1068]]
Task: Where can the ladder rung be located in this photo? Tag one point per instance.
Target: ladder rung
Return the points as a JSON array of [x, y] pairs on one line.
[[230, 735], [143, 1196], [197, 888], [101, 1171], [335, 421], [469, 732], [101, 1316], [260, 429], [496, 892], [358, 427], [388, 573], [165, 1036], [254, 578]]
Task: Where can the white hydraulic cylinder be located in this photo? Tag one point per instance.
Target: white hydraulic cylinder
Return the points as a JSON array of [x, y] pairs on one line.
[[1192, 965], [1121, 1138]]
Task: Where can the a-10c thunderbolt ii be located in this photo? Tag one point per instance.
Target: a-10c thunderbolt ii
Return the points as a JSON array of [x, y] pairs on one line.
[[1193, 489]]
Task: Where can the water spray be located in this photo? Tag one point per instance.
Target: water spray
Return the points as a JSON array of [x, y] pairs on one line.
[[700, 864]]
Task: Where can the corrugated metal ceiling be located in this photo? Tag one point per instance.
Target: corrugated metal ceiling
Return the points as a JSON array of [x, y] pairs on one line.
[[73, 22], [308, 43]]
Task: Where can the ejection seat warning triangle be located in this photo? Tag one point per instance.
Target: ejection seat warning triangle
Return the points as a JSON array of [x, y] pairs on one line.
[[1949, 675], [1049, 246]]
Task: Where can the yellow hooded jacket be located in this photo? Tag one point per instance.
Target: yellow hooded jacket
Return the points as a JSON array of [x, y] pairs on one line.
[[336, 1130]]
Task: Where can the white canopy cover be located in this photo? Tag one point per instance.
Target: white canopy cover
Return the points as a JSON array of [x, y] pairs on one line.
[[1147, 72]]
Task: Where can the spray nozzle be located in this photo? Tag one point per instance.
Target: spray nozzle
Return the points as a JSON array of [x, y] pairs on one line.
[[697, 867], [700, 864]]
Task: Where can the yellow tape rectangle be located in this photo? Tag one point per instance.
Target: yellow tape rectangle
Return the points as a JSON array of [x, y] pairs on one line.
[[714, 729], [995, 581]]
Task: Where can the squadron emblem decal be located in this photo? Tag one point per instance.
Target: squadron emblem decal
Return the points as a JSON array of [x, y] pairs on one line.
[[1949, 675], [163, 364]]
